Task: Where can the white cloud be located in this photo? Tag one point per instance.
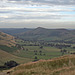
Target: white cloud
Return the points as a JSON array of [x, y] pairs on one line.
[[46, 2], [42, 2], [38, 12]]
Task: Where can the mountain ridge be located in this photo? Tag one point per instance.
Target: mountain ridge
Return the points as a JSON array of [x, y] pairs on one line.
[[40, 33]]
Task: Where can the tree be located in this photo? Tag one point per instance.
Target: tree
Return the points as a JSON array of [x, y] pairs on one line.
[[35, 53], [40, 52], [35, 59], [41, 47]]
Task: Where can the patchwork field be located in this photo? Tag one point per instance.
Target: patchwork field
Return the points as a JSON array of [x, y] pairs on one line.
[[32, 49], [45, 53]]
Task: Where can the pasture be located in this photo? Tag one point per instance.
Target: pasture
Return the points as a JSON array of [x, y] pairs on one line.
[[31, 49]]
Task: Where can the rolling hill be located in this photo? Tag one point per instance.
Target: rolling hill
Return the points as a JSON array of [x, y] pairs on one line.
[[58, 66], [7, 40], [41, 33], [48, 34]]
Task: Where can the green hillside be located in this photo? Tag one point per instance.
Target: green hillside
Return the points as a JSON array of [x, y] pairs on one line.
[[48, 34], [5, 56]]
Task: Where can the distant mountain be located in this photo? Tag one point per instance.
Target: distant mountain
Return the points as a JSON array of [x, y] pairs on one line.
[[13, 31], [41, 33], [48, 34]]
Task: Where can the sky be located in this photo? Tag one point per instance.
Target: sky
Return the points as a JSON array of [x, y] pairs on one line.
[[37, 13]]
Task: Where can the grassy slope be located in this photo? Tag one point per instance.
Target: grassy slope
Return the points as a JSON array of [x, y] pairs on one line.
[[5, 56], [7, 44], [6, 39], [57, 66]]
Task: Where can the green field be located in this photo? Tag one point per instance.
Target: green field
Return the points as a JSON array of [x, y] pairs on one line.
[[8, 49], [48, 51], [5, 56]]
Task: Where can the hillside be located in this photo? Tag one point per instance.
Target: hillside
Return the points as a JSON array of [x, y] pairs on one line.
[[48, 34], [58, 66], [5, 56], [7, 47], [7, 40]]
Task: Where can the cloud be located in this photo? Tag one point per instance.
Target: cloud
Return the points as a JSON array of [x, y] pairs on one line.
[[37, 12], [36, 23], [45, 2]]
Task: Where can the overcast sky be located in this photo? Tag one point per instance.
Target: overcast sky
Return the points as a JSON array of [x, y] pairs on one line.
[[37, 13]]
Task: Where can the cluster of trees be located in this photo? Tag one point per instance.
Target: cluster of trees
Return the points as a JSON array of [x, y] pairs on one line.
[[64, 51], [8, 65], [63, 41], [60, 46], [74, 47], [44, 43]]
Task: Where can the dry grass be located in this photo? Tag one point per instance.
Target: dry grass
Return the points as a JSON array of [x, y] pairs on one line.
[[68, 73], [6, 39], [56, 66]]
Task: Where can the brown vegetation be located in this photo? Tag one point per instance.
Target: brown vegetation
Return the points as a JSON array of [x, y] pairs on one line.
[[6, 39], [56, 66]]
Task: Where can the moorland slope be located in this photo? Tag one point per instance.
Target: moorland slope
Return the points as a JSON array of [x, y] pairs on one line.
[[7, 40], [58, 66]]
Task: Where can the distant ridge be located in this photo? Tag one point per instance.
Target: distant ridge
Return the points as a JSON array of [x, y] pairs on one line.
[[41, 33], [13, 31], [48, 34]]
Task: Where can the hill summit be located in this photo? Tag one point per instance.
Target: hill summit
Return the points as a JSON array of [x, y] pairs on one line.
[[48, 34]]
